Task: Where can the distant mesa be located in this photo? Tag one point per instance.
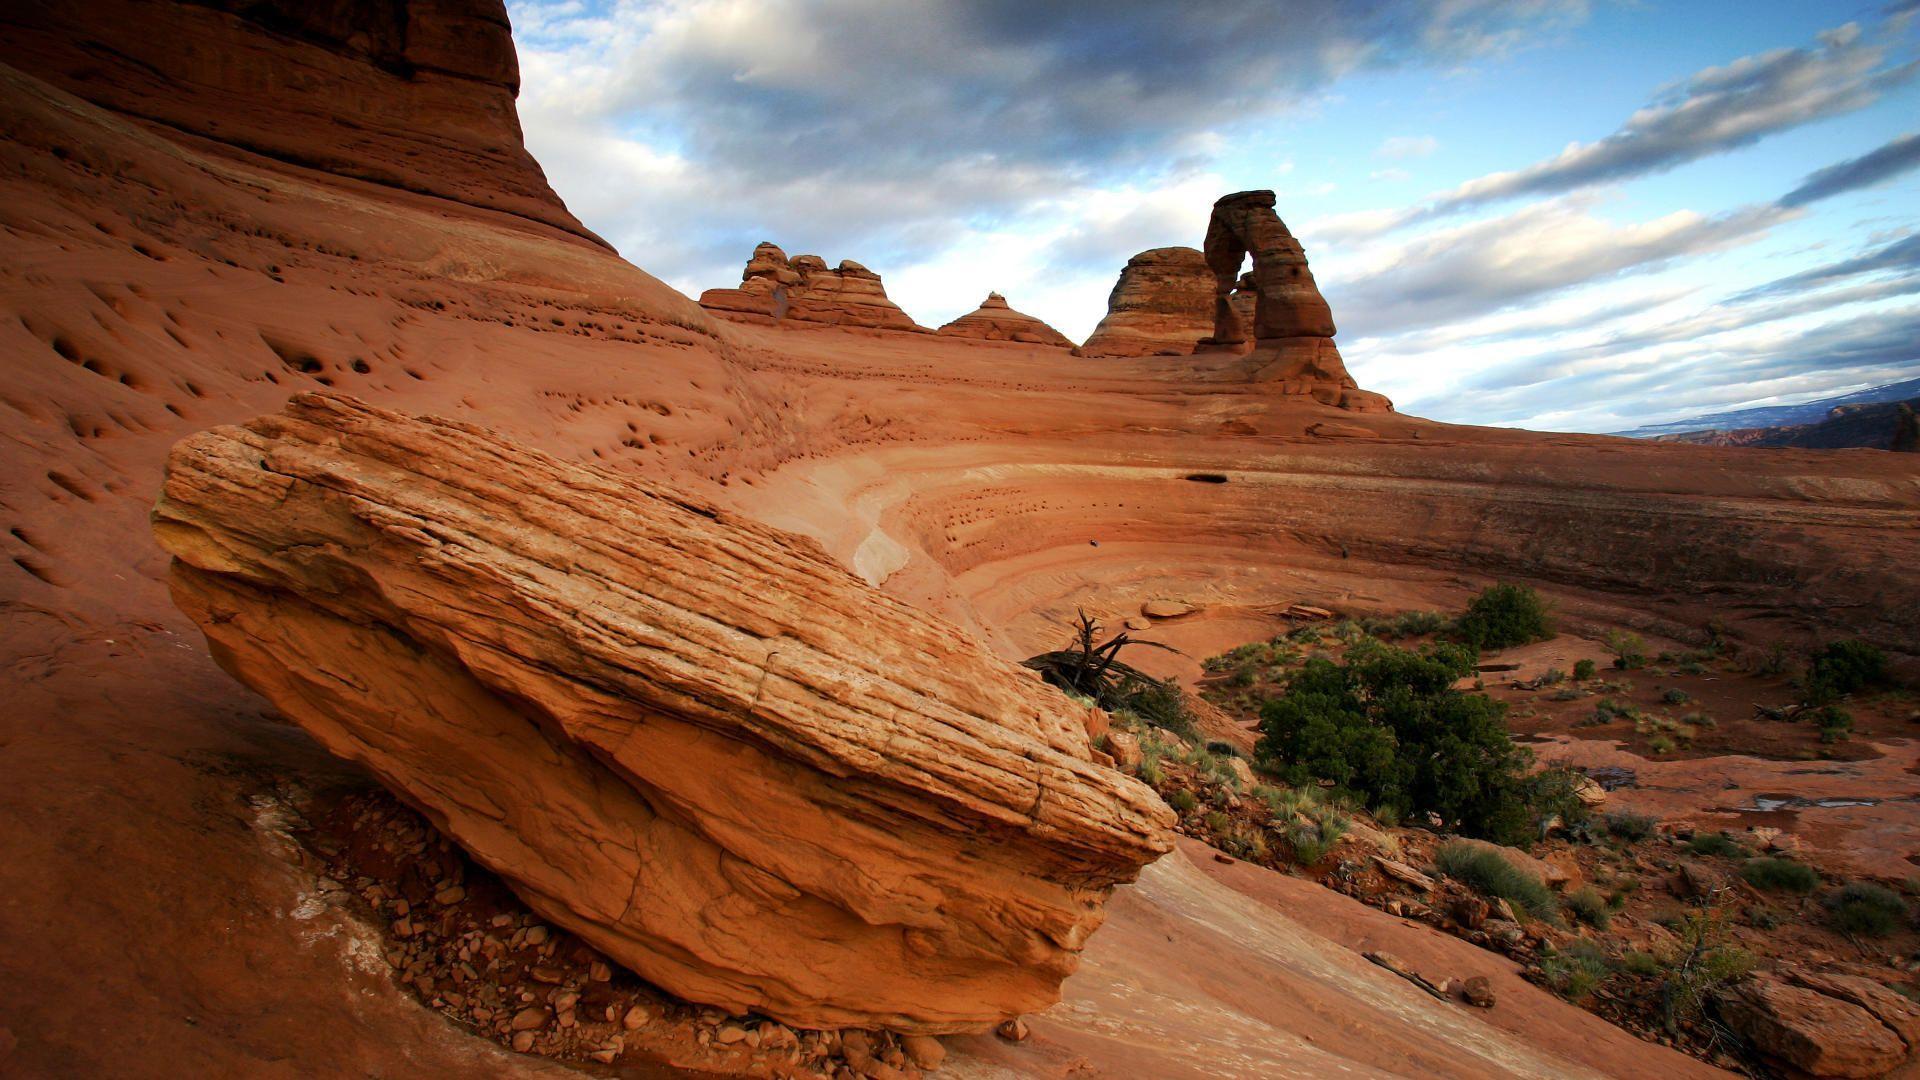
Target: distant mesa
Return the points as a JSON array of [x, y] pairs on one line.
[[993, 320], [1161, 305], [775, 289]]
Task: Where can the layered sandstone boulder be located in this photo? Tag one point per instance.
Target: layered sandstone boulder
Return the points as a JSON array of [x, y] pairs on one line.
[[1161, 306], [1292, 325], [993, 320], [695, 741], [1824, 1024], [414, 94], [803, 289]]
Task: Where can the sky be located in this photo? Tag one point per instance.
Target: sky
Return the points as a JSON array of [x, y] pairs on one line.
[[1577, 215]]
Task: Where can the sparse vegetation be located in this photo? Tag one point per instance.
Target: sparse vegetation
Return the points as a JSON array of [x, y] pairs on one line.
[[1630, 828], [1584, 670], [1487, 873], [1716, 845], [1405, 625], [1673, 695], [1184, 801], [1864, 909], [1779, 875], [1502, 616]]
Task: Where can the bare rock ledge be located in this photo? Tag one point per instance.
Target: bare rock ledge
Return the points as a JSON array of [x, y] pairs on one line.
[[694, 740]]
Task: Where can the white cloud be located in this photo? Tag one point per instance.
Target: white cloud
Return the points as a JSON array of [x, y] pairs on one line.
[[1402, 147]]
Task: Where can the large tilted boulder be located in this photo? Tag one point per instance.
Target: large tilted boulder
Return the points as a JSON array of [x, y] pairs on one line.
[[696, 741], [994, 320], [775, 289], [1161, 306]]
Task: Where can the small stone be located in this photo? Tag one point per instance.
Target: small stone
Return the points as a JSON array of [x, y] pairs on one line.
[[599, 971], [604, 1057], [450, 895], [537, 935], [924, 1051], [730, 1033], [552, 976], [1014, 1030], [530, 1018], [565, 1001], [634, 1019], [502, 920], [523, 1041], [1479, 991]]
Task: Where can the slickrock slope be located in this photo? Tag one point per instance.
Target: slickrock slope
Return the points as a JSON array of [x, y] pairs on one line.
[[1161, 306], [696, 741], [993, 320], [417, 94], [774, 289]]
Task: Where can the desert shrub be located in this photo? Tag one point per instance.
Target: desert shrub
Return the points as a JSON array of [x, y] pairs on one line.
[[1504, 615], [1865, 909], [1698, 966], [1183, 801], [1779, 875], [1716, 845], [1159, 702], [1631, 828], [1700, 719], [1584, 669], [1555, 793], [1661, 744], [1487, 873], [1305, 635], [1640, 962], [1564, 695], [1218, 823], [1762, 917], [1676, 696], [1842, 668], [1553, 676], [1773, 663], [1628, 650], [1150, 772], [1576, 971], [1834, 722], [1286, 802], [1692, 667], [1590, 907], [1221, 748], [1386, 815], [1388, 726]]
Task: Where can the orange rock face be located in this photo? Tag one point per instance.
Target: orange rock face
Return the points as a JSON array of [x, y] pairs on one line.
[[413, 94], [993, 320], [696, 741], [1161, 306], [775, 289]]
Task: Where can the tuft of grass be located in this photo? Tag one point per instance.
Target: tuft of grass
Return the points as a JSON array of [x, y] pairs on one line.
[[1629, 650], [1629, 828], [1865, 909], [1676, 696], [1485, 872], [1779, 875], [1590, 907], [1717, 845], [1183, 801], [1661, 744], [1584, 670], [1574, 973]]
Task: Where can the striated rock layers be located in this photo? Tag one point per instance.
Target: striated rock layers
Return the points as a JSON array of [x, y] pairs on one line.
[[993, 320], [1292, 324], [414, 94], [1161, 306], [694, 740], [775, 289]]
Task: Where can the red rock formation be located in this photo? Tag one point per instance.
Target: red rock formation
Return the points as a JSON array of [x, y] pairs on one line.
[[993, 320], [1161, 306], [774, 289], [416, 94], [696, 741], [1292, 324]]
